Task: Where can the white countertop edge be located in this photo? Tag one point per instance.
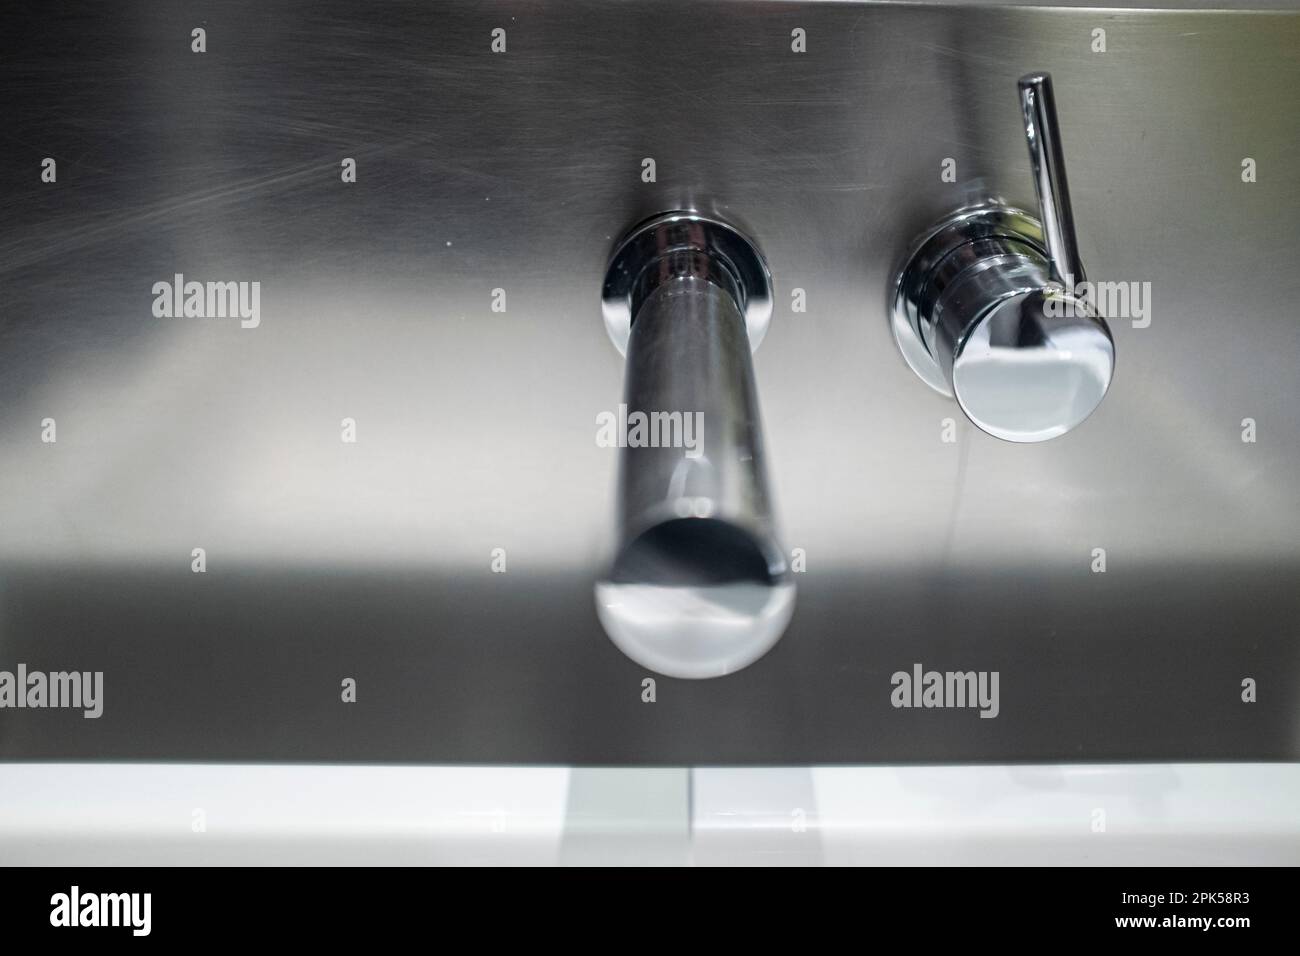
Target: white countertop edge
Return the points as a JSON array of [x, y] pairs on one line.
[[151, 813]]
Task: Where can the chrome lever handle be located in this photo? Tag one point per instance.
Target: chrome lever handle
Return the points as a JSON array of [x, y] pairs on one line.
[[985, 309], [1047, 159]]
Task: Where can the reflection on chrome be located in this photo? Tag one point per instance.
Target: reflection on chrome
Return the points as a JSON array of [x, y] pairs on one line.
[[683, 631], [1025, 376]]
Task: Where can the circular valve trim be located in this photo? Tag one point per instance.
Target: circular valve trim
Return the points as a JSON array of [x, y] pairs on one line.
[[966, 225], [685, 231]]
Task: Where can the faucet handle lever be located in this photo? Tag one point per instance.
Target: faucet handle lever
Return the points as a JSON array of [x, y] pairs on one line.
[[1047, 159], [986, 309]]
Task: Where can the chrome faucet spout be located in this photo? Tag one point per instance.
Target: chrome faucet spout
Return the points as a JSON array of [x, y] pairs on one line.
[[699, 586]]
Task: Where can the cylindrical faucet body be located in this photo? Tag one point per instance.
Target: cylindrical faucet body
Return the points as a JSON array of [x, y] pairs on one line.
[[693, 495], [699, 586]]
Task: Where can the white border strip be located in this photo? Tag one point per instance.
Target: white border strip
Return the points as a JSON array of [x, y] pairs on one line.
[[104, 814]]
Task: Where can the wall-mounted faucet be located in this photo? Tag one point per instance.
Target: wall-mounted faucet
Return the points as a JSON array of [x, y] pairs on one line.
[[986, 310], [699, 586]]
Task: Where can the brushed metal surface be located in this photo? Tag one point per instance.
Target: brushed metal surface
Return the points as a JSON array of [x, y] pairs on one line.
[[475, 428]]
